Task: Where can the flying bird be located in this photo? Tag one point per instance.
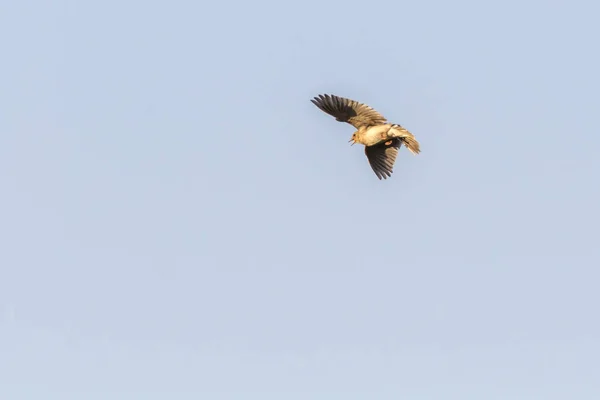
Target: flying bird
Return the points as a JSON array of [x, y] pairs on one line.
[[381, 139]]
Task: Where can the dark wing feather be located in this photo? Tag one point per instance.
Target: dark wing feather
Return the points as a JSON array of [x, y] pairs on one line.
[[382, 157], [350, 111]]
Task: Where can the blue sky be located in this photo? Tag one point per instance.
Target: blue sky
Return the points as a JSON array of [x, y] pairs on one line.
[[179, 221]]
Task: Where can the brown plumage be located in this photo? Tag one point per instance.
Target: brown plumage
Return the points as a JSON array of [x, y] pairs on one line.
[[381, 139]]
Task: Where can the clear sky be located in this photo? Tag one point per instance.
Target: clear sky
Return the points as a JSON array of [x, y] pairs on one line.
[[179, 221]]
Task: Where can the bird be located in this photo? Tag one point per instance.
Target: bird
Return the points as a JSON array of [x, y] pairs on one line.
[[381, 139]]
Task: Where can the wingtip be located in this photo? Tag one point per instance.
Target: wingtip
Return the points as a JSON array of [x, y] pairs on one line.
[[324, 96]]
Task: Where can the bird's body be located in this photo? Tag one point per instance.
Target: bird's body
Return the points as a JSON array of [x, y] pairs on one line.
[[371, 135], [380, 138]]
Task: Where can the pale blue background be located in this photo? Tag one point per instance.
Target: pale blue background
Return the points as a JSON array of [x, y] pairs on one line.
[[180, 222]]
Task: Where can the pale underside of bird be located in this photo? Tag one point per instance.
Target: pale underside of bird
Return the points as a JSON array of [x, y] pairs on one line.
[[381, 139]]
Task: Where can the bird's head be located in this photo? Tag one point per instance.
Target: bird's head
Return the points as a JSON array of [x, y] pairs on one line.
[[352, 139]]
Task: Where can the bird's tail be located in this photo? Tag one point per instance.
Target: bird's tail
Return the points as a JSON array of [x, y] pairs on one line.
[[408, 138]]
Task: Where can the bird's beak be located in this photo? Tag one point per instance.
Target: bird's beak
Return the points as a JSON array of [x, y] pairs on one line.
[[351, 141]]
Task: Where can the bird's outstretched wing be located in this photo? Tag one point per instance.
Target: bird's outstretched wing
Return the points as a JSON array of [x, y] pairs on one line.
[[382, 157], [350, 111]]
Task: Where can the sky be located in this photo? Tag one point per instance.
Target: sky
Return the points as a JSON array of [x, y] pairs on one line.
[[179, 221]]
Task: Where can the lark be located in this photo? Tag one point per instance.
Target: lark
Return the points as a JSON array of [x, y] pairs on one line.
[[381, 139]]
